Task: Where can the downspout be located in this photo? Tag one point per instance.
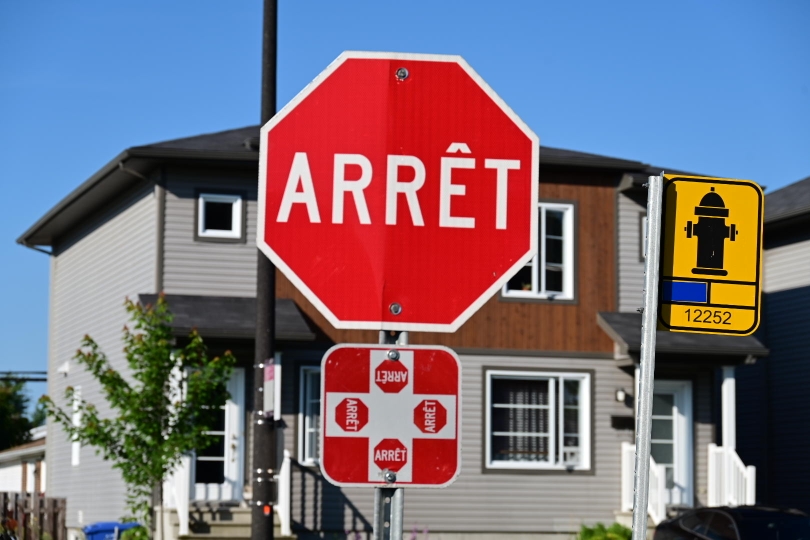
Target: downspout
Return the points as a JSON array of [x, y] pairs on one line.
[[160, 195]]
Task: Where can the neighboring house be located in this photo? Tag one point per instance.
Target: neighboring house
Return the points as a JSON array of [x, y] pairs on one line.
[[548, 365], [776, 437], [22, 468]]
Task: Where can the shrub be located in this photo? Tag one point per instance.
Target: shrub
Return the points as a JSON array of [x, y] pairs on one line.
[[599, 532]]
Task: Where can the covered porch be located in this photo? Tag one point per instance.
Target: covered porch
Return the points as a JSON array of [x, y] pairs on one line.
[[209, 495], [693, 448]]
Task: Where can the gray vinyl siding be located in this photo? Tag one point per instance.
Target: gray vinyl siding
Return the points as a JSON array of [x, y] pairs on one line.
[[108, 259], [631, 267], [198, 267], [787, 267], [491, 501]]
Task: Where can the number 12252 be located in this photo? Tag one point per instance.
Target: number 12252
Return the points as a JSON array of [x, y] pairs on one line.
[[708, 316]]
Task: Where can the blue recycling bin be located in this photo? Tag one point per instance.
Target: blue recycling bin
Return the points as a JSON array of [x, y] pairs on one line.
[[107, 530]]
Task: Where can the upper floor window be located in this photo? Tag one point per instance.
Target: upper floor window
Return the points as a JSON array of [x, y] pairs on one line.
[[219, 216], [550, 274], [310, 415], [538, 420]]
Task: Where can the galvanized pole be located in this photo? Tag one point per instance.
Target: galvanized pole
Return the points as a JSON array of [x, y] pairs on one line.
[[649, 322], [263, 451], [389, 502]]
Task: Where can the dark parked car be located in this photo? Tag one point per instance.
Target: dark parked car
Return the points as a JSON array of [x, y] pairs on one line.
[[740, 523]]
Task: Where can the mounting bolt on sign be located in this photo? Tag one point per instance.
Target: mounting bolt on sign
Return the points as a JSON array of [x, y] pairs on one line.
[[369, 201]]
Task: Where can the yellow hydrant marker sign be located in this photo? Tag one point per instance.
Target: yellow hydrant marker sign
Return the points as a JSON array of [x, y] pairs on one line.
[[711, 255]]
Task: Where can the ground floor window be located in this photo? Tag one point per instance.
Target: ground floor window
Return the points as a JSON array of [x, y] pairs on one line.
[[538, 420], [310, 415]]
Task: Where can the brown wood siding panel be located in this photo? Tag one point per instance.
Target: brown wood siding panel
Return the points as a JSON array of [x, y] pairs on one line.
[[534, 326]]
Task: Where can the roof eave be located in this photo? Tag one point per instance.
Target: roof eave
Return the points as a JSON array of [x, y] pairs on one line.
[[13, 454], [593, 163], [39, 235], [29, 237], [196, 155], [799, 212]]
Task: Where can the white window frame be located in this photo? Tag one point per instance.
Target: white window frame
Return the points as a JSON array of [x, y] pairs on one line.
[[236, 216], [304, 419], [538, 263], [555, 427]]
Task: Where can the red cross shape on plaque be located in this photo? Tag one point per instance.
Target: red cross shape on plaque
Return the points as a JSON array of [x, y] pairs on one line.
[[381, 414]]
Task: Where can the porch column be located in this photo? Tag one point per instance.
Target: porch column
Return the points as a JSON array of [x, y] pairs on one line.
[[729, 408], [636, 379]]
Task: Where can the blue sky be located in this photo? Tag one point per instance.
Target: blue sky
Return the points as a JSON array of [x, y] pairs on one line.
[[717, 87]]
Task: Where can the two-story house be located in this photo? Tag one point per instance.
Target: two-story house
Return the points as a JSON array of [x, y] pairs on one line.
[[549, 364]]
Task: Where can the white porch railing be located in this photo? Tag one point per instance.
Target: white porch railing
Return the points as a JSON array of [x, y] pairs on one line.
[[176, 491], [284, 490], [731, 483], [656, 500]]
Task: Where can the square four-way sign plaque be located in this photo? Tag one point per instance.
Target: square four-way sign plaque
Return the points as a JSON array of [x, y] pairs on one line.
[[390, 415]]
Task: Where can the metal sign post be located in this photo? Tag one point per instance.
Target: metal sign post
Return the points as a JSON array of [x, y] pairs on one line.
[[389, 502], [649, 322]]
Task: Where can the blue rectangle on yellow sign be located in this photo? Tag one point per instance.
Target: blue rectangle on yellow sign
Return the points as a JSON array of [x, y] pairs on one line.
[[711, 255], [684, 291]]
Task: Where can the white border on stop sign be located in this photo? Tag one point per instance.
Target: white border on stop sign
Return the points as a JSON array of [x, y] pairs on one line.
[[458, 415], [383, 325]]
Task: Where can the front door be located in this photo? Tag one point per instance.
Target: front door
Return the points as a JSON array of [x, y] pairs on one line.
[[671, 442], [218, 470]]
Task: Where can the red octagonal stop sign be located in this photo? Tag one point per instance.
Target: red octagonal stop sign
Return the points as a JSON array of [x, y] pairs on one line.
[[398, 191], [390, 454], [430, 416], [391, 376], [351, 414]]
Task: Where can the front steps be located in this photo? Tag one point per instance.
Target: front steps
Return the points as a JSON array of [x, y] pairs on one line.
[[214, 521]]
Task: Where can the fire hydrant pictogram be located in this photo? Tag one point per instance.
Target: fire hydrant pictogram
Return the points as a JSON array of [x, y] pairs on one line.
[[711, 231]]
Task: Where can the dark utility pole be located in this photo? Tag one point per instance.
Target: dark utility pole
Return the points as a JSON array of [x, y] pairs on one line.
[[264, 429]]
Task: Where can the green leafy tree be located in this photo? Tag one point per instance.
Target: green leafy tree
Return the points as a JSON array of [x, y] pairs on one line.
[[15, 426], [39, 416], [160, 409]]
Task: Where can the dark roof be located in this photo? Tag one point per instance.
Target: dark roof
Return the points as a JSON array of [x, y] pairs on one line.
[[637, 179], [246, 141], [132, 167], [559, 156], [625, 330], [241, 142], [789, 201], [231, 317], [235, 146]]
